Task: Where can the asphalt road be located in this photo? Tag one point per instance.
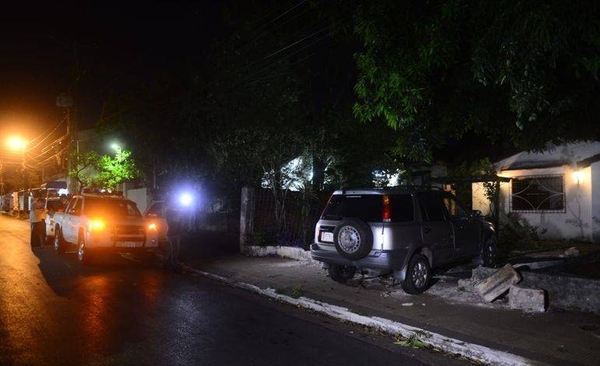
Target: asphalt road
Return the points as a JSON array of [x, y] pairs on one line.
[[120, 312]]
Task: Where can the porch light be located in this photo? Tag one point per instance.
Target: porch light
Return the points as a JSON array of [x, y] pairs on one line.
[[577, 176]]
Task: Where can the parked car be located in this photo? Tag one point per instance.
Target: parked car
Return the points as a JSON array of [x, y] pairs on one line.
[[157, 212], [404, 231], [95, 223]]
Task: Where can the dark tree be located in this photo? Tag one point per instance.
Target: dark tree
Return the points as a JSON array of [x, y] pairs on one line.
[[521, 70]]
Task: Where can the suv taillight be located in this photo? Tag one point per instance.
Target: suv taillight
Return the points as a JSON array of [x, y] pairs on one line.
[[387, 214]]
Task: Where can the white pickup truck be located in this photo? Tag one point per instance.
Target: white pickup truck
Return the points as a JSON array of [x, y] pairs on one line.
[[94, 223]]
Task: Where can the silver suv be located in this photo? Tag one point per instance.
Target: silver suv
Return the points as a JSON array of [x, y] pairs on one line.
[[403, 231]]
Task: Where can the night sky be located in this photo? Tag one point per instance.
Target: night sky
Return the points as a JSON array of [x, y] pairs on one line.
[[110, 45]]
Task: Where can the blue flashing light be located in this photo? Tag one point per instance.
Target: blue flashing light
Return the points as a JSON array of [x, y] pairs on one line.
[[186, 199]]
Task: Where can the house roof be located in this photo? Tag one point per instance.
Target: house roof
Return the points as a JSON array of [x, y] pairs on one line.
[[579, 154]]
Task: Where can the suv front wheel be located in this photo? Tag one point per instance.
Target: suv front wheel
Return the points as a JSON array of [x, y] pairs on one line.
[[489, 252], [353, 239], [418, 275]]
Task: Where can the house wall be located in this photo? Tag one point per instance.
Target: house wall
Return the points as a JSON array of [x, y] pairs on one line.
[[595, 182], [479, 201], [139, 195], [576, 222]]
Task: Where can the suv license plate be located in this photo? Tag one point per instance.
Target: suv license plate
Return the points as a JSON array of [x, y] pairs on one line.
[[327, 237]]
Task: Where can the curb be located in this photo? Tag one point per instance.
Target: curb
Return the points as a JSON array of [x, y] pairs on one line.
[[470, 351], [281, 251]]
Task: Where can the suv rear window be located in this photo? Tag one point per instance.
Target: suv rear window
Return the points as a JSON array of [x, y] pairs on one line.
[[369, 208]]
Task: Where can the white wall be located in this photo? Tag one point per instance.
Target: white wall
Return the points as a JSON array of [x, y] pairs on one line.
[[139, 196], [479, 201], [595, 182], [573, 224]]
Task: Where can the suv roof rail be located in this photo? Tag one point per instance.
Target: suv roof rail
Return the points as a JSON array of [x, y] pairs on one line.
[[398, 187]]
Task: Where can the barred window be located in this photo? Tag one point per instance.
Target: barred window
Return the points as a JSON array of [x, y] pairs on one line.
[[538, 194]]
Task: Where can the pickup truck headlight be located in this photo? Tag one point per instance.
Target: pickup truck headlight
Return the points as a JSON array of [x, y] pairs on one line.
[[152, 226], [97, 225]]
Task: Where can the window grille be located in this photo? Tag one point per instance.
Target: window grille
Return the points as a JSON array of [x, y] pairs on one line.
[[538, 194]]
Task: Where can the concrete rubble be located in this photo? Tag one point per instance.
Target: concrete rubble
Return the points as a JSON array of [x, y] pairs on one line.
[[527, 299], [498, 283]]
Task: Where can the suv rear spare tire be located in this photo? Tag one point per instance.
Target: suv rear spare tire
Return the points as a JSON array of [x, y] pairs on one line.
[[353, 239]]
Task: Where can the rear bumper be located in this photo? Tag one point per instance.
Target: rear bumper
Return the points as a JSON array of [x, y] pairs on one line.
[[378, 259]]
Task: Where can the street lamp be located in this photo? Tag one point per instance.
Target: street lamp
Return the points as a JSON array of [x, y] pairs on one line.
[[17, 143], [118, 151]]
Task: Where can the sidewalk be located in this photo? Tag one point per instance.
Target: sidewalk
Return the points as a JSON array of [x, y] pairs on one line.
[[444, 317]]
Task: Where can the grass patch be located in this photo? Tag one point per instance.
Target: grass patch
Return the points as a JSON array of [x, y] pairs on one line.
[[295, 293], [412, 341]]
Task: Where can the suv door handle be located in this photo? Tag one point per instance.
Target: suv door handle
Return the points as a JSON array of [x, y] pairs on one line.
[[427, 230]]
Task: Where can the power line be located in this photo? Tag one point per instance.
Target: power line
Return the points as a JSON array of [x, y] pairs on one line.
[[256, 74], [44, 136], [265, 32]]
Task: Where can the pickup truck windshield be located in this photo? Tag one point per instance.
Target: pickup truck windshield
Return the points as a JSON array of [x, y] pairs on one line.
[[110, 207]]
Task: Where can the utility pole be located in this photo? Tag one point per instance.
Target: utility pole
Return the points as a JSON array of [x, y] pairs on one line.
[[1, 180], [64, 100]]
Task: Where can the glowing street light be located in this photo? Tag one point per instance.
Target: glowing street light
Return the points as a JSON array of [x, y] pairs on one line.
[[118, 151], [17, 143]]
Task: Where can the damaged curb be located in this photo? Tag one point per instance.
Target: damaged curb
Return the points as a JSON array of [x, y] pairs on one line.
[[471, 351]]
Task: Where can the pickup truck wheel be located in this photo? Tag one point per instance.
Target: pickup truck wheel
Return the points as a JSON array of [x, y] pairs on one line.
[[59, 242], [83, 253], [353, 239], [418, 275], [489, 252], [340, 273]]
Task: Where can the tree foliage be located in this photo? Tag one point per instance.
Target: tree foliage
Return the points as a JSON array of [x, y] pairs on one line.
[[276, 86], [90, 169], [83, 168], [114, 170], [521, 70]]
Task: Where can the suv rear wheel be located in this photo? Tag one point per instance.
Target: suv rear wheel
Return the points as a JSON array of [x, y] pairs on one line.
[[418, 275], [353, 239], [340, 273]]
